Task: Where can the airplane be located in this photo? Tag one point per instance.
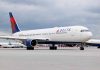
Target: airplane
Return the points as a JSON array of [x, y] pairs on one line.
[[52, 36], [93, 42], [11, 45]]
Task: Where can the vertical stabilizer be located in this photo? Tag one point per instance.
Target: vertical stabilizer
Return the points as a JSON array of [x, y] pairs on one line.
[[14, 26]]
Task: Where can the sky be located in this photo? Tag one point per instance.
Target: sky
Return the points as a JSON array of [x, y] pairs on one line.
[[36, 14]]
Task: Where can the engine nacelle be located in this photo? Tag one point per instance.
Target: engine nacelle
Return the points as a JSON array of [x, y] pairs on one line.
[[30, 43], [34, 42]]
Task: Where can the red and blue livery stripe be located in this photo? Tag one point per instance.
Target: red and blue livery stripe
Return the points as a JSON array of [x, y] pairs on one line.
[[14, 26]]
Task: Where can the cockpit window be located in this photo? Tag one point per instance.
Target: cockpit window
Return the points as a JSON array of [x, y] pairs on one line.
[[84, 30]]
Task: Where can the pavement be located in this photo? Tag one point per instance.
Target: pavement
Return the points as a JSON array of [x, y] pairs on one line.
[[44, 59]]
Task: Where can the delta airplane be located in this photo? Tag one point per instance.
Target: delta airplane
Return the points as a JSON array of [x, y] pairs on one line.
[[53, 36]]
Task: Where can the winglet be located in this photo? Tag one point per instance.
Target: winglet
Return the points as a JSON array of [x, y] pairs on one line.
[[14, 26]]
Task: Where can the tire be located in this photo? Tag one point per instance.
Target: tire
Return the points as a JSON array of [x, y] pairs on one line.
[[53, 48], [30, 48], [81, 48], [98, 47]]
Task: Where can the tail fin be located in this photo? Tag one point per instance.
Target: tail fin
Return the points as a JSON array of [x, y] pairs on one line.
[[14, 26]]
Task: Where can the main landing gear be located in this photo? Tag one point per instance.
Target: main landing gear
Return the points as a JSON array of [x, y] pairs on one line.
[[30, 48], [98, 47], [53, 47]]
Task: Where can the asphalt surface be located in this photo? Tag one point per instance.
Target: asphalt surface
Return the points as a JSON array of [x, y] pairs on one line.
[[44, 59]]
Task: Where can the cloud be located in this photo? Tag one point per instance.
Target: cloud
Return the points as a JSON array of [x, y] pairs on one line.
[[31, 14], [3, 33]]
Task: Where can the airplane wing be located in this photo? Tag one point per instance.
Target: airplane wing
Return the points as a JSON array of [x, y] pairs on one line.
[[11, 38], [40, 40], [22, 38]]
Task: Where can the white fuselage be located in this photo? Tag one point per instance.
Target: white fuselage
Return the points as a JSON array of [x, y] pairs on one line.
[[68, 34]]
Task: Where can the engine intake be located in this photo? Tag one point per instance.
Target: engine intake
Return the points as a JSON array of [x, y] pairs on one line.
[[30, 43], [33, 42]]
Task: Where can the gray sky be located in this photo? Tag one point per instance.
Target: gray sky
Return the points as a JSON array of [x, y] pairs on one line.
[[34, 14]]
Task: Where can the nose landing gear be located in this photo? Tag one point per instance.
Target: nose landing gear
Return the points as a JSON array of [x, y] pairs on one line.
[[82, 47]]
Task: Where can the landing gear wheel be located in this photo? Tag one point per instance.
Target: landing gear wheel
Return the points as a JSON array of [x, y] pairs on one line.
[[98, 47], [30, 48], [81, 48], [53, 48]]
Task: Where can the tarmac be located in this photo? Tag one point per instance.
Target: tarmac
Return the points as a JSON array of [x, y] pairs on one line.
[[44, 59]]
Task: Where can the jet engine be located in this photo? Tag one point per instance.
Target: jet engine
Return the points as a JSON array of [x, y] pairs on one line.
[[30, 43]]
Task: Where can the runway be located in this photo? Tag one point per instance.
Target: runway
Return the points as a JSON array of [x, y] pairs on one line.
[[44, 59]]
